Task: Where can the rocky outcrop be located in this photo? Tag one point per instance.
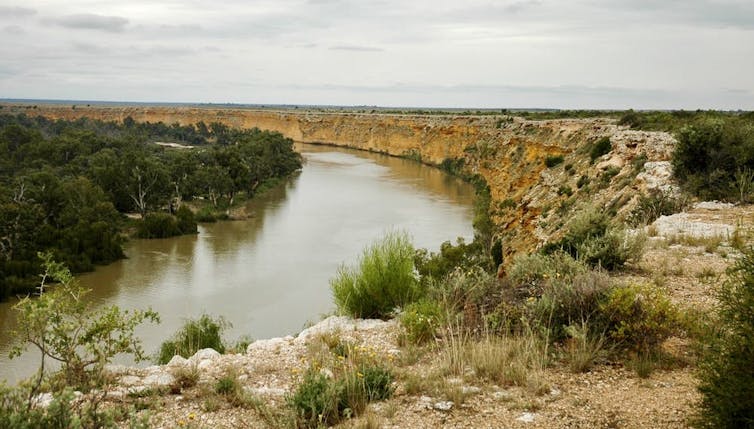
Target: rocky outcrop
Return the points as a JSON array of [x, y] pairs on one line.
[[530, 200]]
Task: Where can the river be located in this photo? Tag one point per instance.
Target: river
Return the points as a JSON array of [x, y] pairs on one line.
[[269, 275]]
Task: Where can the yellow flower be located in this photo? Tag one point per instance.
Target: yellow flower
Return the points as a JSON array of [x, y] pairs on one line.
[[191, 416], [360, 375], [181, 423]]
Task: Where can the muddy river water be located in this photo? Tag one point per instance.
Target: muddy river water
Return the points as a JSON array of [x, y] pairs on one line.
[[269, 275]]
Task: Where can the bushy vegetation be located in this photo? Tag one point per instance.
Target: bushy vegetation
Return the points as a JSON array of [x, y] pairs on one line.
[[713, 159], [64, 327], [64, 185], [591, 237], [324, 398], [601, 147], [553, 160], [727, 379], [164, 225], [655, 204], [194, 335], [382, 281], [421, 321]]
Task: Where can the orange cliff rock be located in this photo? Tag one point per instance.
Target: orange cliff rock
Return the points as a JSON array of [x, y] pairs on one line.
[[508, 152]]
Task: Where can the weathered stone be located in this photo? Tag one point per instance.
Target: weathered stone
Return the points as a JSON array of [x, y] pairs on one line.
[[162, 379], [204, 354], [443, 406], [526, 417], [177, 361], [272, 344], [205, 365]]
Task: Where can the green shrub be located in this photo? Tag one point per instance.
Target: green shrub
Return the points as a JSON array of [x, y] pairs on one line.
[[185, 220], [654, 205], [420, 320], [590, 237], [726, 376], [378, 382], [601, 147], [158, 225], [607, 176], [227, 385], [566, 303], [193, 336], [64, 326], [472, 290], [383, 281], [583, 180], [553, 160], [640, 317], [205, 215], [530, 271], [316, 401], [710, 153], [565, 190]]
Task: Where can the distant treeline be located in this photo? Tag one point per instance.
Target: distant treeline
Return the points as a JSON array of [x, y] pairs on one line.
[[64, 185]]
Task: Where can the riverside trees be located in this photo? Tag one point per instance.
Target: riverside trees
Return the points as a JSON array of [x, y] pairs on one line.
[[64, 185]]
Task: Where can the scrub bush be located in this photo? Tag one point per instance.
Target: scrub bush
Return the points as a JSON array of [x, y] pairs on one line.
[[195, 335], [420, 321], [383, 280], [601, 147], [726, 376]]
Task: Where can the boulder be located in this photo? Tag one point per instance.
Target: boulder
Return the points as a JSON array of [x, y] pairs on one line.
[[178, 361], [204, 354]]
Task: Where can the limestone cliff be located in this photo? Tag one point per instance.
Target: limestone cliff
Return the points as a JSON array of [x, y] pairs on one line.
[[530, 201]]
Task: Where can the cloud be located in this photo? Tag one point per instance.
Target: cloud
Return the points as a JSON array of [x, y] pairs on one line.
[[16, 12], [715, 14], [90, 21], [355, 48], [13, 29]]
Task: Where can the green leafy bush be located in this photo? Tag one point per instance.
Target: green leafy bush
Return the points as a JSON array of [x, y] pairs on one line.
[[65, 327], [185, 220], [529, 273], [726, 376], [158, 225], [193, 336], [383, 281], [316, 401], [709, 154], [639, 317], [553, 160], [320, 400], [206, 215], [227, 385], [420, 320], [654, 205], [590, 237], [601, 147], [566, 303]]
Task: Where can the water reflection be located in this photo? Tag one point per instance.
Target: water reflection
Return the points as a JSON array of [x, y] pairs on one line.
[[268, 275]]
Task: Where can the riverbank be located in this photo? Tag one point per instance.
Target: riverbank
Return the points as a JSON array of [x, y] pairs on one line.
[[686, 257]]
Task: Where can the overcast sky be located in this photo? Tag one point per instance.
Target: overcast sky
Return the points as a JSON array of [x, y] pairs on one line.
[[465, 53]]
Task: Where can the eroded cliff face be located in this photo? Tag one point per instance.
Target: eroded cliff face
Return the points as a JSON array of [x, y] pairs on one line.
[[531, 202]]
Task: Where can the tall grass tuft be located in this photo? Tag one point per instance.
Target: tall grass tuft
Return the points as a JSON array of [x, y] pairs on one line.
[[382, 281], [195, 335]]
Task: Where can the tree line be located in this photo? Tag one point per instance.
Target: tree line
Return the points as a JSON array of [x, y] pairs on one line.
[[66, 185]]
